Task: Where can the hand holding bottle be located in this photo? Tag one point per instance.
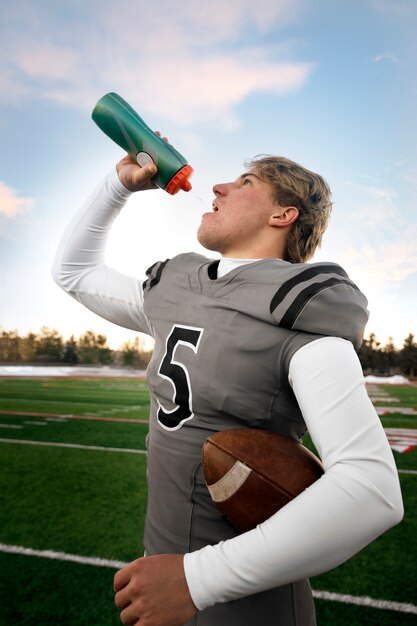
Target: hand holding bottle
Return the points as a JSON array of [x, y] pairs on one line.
[[133, 176], [121, 123], [137, 177]]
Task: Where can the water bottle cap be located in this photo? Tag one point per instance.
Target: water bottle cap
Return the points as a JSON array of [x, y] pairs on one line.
[[180, 180]]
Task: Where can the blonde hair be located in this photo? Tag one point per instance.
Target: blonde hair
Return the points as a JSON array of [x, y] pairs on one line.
[[297, 186]]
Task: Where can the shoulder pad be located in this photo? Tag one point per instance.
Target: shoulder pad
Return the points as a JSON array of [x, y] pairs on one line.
[[154, 275], [321, 299]]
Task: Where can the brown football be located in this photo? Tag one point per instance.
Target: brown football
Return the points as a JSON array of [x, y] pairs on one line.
[[251, 473]]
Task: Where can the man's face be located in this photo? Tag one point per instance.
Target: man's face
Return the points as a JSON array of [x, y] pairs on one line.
[[239, 219]]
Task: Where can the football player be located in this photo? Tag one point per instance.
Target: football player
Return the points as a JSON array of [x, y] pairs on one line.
[[257, 339]]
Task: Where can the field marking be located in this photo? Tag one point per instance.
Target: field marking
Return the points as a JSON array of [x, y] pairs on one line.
[[74, 417], [61, 556], [13, 426], [386, 605], [59, 420], [399, 607], [71, 445], [383, 411], [55, 444], [402, 439]]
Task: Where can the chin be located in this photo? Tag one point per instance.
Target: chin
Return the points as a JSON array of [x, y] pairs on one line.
[[205, 240]]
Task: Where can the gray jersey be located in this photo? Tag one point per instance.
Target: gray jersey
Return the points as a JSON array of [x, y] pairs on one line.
[[221, 359]]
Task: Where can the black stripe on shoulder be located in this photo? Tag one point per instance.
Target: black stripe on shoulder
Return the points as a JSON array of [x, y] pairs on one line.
[[151, 282], [157, 276], [288, 320], [150, 269], [303, 276]]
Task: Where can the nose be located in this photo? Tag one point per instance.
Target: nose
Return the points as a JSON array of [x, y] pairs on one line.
[[220, 189]]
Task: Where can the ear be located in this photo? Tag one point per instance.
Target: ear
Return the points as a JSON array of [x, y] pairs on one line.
[[283, 216]]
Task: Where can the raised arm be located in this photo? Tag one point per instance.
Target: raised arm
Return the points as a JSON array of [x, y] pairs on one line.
[[79, 267]]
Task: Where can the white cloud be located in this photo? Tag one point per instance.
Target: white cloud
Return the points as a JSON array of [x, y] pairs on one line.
[[211, 88], [386, 56], [185, 61], [388, 261], [372, 206], [369, 236], [11, 204], [48, 61], [400, 259]]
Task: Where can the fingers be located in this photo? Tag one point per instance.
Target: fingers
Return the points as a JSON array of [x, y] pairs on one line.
[[134, 177], [154, 590], [140, 177], [122, 577], [129, 617], [122, 599], [163, 138]]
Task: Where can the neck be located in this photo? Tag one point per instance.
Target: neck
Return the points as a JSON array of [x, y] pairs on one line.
[[261, 249]]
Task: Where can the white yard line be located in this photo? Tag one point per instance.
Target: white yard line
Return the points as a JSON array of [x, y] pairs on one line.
[[61, 556], [64, 417], [389, 605], [71, 445], [126, 450]]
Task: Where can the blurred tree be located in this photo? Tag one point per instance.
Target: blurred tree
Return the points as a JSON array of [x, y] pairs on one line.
[[134, 353], [70, 351], [408, 356], [390, 358], [49, 346], [10, 347], [369, 354], [29, 345], [93, 349]]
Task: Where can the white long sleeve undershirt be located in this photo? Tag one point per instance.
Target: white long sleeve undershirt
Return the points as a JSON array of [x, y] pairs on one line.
[[357, 498], [79, 266]]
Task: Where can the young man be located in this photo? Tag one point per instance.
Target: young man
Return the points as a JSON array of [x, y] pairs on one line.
[[258, 339]]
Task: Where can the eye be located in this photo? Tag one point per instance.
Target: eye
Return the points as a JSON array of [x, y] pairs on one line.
[[247, 181]]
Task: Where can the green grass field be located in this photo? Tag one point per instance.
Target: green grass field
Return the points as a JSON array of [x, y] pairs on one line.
[[86, 496]]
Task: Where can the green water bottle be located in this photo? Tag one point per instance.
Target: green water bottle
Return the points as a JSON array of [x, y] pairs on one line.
[[123, 125]]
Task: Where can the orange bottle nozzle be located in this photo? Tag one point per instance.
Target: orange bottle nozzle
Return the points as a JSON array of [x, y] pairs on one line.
[[180, 180]]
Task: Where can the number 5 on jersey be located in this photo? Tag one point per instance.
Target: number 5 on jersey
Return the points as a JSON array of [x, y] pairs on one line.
[[177, 374]]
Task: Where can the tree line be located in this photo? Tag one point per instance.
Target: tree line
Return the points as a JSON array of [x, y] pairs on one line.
[[49, 347], [388, 360]]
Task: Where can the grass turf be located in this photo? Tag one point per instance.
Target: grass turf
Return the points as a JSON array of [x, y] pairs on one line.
[[92, 503], [43, 592], [127, 398], [406, 394], [116, 434]]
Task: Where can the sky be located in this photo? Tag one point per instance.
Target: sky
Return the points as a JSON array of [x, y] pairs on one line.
[[330, 84]]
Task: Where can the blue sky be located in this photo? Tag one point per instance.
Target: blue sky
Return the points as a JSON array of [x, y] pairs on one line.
[[328, 83]]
